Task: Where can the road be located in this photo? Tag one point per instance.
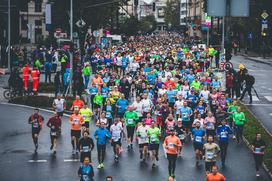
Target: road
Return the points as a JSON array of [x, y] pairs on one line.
[[261, 107], [19, 163]]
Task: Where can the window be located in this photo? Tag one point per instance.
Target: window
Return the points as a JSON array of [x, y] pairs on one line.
[[38, 22], [23, 23], [38, 5]]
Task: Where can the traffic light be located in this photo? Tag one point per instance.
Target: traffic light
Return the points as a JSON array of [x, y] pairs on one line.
[[154, 6]]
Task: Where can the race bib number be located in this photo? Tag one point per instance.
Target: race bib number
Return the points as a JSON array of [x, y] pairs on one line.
[[181, 136], [258, 150], [108, 114], [185, 115], [223, 135], [213, 102], [85, 149], [85, 178], [153, 138], [35, 125], [76, 121], [171, 145], [198, 139], [210, 155], [54, 133], [84, 117], [130, 121]]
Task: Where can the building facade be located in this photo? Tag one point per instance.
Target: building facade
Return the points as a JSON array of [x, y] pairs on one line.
[[183, 12], [32, 25]]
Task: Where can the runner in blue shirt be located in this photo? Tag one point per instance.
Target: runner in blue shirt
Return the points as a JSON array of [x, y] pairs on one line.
[[121, 105], [223, 131], [198, 137], [186, 113]]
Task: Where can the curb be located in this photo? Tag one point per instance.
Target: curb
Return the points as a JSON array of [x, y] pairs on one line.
[[30, 107]]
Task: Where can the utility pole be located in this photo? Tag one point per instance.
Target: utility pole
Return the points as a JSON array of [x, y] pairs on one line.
[[9, 36], [71, 46]]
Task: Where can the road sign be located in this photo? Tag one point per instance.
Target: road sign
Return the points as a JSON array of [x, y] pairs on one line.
[[264, 15], [80, 23]]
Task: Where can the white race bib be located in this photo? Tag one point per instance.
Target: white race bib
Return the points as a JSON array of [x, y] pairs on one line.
[[130, 121], [198, 139], [210, 155], [85, 149], [76, 121], [171, 145]]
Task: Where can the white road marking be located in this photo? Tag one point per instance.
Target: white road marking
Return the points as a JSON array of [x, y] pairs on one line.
[[269, 98], [258, 104], [37, 161], [71, 160], [270, 114], [255, 98]]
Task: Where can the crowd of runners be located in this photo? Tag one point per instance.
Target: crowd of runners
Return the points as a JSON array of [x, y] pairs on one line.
[[152, 91]]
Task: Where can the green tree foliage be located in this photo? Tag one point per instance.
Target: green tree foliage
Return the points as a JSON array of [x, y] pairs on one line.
[[172, 12], [130, 26]]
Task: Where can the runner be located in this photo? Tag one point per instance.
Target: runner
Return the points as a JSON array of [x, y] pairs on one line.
[[76, 121], [211, 151], [36, 121], [172, 144], [239, 122], [59, 105], [198, 137], [258, 147], [223, 131], [215, 175], [101, 135], [86, 171], [54, 123], [116, 131], [186, 113], [86, 146], [181, 134], [131, 119], [154, 134], [142, 137], [86, 113], [77, 103]]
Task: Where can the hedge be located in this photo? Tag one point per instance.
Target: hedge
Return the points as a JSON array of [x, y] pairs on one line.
[[254, 126], [39, 101]]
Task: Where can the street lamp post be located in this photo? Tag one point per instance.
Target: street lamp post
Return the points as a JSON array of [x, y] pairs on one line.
[[71, 45], [9, 36]]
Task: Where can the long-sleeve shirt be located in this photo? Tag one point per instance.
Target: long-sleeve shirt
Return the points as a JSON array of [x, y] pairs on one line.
[[239, 118], [223, 132], [101, 135]]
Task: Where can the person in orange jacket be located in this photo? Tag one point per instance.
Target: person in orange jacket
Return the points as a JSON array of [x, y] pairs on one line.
[[25, 76], [35, 78]]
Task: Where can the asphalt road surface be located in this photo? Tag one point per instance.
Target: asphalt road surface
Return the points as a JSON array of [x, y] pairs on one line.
[[262, 106], [19, 163]]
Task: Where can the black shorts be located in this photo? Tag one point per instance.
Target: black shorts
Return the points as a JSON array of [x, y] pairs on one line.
[[86, 124], [210, 132], [209, 165], [76, 133], [187, 124], [120, 114], [35, 131], [198, 146], [130, 131], [84, 155], [114, 143], [60, 113], [152, 146], [143, 145]]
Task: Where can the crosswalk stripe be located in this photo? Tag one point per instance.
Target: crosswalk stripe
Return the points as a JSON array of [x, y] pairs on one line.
[[269, 98], [255, 98], [37, 161], [71, 160]]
